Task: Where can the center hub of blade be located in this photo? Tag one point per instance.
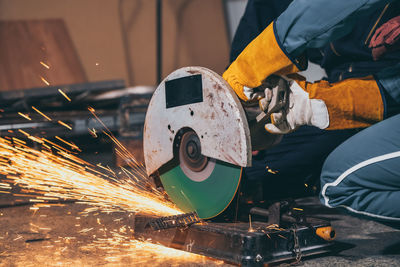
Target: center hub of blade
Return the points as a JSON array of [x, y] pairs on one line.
[[196, 166], [190, 152]]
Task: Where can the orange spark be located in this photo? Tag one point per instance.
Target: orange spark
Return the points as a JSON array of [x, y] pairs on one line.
[[41, 113], [93, 132], [18, 141], [55, 145], [270, 170], [44, 65], [64, 95], [24, 133], [298, 209], [48, 175], [45, 81], [65, 125], [24, 115], [73, 146], [56, 176]]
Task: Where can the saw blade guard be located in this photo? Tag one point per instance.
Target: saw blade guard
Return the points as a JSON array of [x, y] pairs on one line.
[[198, 99]]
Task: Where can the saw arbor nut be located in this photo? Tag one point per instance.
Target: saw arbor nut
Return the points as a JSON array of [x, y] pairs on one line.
[[190, 152]]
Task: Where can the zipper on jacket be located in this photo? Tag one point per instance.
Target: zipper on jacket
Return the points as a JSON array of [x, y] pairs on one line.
[[376, 23], [334, 50]]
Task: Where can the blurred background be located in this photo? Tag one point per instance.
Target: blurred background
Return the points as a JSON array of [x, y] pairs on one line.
[[59, 58], [111, 39]]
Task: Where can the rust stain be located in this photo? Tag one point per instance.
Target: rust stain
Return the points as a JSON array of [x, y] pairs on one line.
[[170, 129], [223, 109], [210, 97], [217, 87], [193, 71]]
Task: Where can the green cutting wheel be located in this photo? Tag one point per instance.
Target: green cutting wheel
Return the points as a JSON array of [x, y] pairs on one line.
[[199, 183]]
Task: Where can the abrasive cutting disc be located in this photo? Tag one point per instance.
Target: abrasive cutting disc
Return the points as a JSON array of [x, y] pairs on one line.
[[207, 195]]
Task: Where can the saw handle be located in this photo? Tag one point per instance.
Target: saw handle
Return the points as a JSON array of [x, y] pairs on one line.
[[277, 90], [279, 87]]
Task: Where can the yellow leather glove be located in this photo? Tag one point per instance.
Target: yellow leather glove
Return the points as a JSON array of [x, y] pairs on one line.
[[261, 58], [351, 103]]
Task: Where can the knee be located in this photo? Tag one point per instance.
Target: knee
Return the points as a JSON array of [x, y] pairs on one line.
[[329, 177], [367, 188], [338, 181]]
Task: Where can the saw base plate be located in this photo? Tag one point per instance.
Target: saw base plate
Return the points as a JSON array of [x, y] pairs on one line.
[[237, 242]]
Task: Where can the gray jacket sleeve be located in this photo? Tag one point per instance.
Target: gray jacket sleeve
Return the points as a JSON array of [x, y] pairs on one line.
[[314, 23]]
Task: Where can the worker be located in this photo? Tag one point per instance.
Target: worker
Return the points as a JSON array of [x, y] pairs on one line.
[[356, 42]]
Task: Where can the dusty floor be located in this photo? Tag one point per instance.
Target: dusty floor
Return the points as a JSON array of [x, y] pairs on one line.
[[365, 242], [60, 235]]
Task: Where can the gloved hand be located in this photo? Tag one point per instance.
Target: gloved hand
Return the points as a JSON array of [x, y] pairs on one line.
[[301, 110], [386, 38], [261, 58]]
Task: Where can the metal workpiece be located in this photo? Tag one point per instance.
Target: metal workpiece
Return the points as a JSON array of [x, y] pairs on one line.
[[180, 220]]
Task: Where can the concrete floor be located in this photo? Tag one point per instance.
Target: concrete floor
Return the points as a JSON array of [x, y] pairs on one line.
[[60, 235], [365, 242]]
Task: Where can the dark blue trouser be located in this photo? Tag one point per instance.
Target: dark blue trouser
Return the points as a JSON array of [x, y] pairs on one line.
[[297, 160], [362, 175]]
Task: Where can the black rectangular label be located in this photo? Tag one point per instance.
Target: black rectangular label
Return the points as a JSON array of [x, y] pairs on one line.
[[183, 91]]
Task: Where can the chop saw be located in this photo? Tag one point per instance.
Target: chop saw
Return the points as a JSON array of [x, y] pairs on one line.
[[198, 136]]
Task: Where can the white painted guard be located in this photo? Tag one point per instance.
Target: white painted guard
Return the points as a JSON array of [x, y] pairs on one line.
[[219, 121]]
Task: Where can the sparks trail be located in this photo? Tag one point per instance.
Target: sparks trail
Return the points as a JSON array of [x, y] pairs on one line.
[[119, 246], [64, 95], [72, 145], [65, 125], [54, 173], [46, 178], [24, 116], [41, 113], [44, 65], [141, 176], [45, 81], [64, 176]]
